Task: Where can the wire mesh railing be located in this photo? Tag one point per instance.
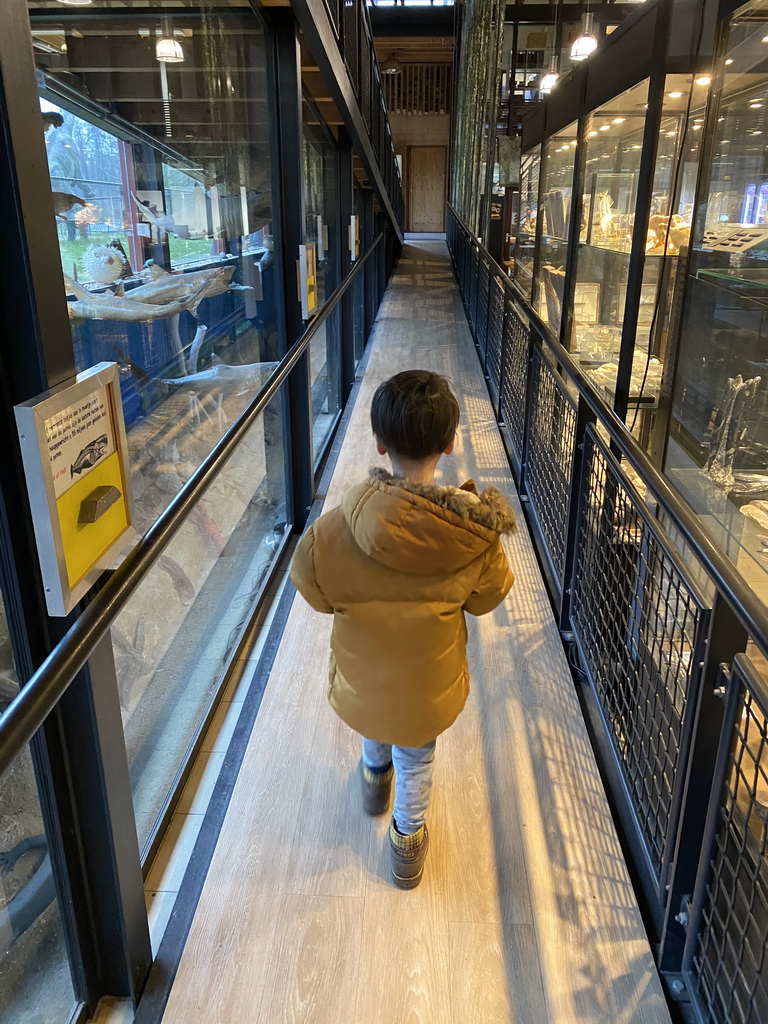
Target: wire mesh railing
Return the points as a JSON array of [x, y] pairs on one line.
[[640, 622], [726, 955], [654, 617]]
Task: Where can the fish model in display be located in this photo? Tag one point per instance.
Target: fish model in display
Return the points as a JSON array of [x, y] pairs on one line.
[[90, 455], [103, 264], [166, 295], [162, 221]]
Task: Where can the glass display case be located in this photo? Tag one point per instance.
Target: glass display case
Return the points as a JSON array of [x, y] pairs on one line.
[[525, 244], [157, 130], [717, 450], [555, 196], [614, 147]]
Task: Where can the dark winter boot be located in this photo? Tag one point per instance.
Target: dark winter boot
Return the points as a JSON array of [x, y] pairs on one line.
[[407, 855], [376, 787]]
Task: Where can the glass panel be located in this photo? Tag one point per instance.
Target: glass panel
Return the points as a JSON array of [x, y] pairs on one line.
[[321, 228], [526, 232], [159, 147], [35, 984], [555, 212], [612, 165], [174, 637], [717, 452], [614, 145], [157, 131]]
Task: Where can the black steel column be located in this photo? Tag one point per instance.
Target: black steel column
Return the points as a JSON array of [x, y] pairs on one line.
[[370, 270], [346, 208], [288, 214]]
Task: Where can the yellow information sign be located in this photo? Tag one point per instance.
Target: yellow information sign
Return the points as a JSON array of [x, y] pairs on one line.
[[78, 477]]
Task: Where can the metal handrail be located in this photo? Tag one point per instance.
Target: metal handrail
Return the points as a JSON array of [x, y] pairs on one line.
[[39, 696], [744, 603]]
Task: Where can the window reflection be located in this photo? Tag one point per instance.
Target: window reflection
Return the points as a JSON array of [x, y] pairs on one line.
[[35, 983], [157, 130]]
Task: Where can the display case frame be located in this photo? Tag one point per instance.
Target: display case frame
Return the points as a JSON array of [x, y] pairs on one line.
[[660, 32]]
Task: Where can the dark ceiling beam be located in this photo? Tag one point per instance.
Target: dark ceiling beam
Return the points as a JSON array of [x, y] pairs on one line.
[[411, 21], [544, 14]]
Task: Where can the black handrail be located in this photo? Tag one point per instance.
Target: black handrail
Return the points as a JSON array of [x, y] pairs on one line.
[[39, 696], [744, 602]]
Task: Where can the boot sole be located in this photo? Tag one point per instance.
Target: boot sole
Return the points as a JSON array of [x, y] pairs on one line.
[[407, 883]]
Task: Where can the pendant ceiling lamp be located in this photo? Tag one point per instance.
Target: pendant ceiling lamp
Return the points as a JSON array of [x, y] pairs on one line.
[[391, 66], [552, 75], [168, 48], [586, 44], [550, 80]]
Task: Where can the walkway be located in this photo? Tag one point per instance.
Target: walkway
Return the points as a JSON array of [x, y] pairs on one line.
[[526, 913]]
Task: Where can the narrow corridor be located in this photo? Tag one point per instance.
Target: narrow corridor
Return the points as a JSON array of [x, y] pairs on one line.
[[526, 913]]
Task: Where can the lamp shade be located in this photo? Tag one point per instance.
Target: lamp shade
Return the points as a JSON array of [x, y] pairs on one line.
[[169, 50], [550, 79], [391, 66], [586, 43]]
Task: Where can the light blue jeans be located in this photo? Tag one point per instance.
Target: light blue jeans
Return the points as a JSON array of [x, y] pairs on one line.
[[413, 779]]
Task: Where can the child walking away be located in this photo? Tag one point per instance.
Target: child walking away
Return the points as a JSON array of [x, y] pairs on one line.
[[397, 564]]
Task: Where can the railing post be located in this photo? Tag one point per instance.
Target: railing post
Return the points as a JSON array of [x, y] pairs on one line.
[[727, 638], [522, 484], [584, 417]]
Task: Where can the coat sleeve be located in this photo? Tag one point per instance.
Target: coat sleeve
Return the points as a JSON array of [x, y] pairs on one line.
[[494, 583], [303, 575]]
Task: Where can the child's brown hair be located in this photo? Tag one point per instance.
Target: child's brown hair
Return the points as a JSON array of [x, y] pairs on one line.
[[415, 414]]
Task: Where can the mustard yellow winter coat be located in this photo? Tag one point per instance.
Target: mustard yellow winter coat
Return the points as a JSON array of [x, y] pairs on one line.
[[398, 564]]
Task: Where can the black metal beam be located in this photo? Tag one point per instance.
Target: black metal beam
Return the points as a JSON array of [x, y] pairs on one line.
[[346, 208], [544, 14], [409, 21], [318, 32], [289, 228]]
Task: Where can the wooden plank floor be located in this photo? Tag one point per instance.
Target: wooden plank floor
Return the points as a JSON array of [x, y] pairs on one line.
[[526, 913]]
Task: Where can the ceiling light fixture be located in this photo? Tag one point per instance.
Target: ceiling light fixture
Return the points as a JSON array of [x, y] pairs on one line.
[[586, 44], [619, 120], [167, 48], [391, 66], [675, 95], [605, 127], [550, 80], [76, 3], [703, 80], [729, 61], [755, 106]]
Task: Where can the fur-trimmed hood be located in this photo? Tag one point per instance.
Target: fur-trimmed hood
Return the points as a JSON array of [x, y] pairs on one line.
[[424, 529]]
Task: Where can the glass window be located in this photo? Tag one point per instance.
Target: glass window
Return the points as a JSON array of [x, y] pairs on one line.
[[157, 133], [175, 636], [321, 230], [717, 451], [35, 984], [612, 165], [614, 145], [555, 212], [526, 230], [159, 149]]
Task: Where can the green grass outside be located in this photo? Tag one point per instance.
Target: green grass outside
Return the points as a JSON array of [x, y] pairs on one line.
[[182, 249]]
